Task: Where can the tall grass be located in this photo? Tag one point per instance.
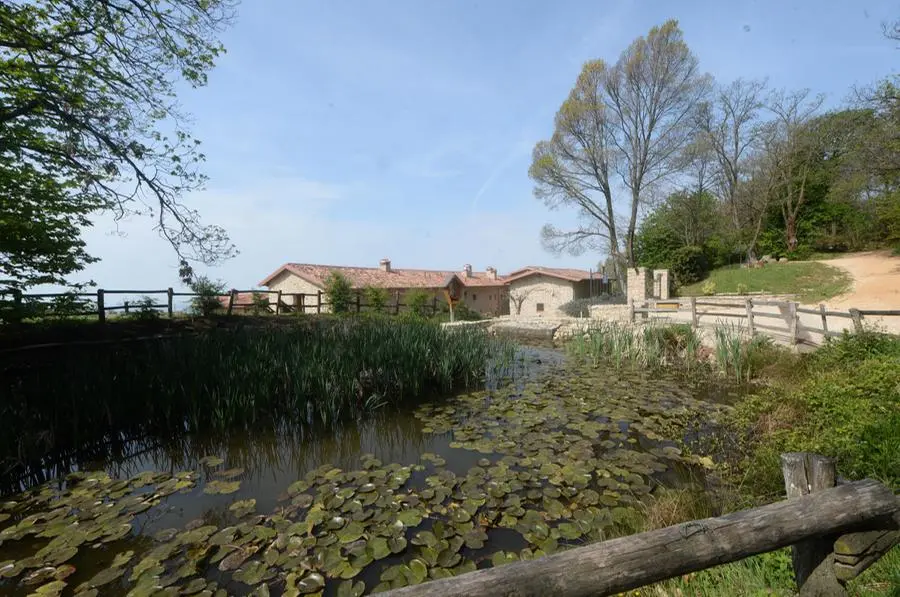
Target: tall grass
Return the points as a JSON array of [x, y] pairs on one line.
[[735, 354], [650, 346], [317, 371]]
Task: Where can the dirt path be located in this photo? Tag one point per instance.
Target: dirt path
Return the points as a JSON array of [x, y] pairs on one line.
[[876, 284]]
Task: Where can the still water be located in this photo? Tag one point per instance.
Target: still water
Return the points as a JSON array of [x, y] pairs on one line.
[[555, 456]]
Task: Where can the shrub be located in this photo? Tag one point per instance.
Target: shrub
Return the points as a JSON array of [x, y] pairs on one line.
[[582, 307], [207, 302], [338, 292], [742, 288], [689, 265], [376, 298], [462, 313], [146, 310], [417, 302], [708, 288], [260, 303]]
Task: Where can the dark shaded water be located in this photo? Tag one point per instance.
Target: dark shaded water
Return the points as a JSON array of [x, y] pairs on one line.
[[548, 423]]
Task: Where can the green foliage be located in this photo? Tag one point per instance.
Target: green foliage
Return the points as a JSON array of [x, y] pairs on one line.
[[376, 298], [462, 313], [88, 90], [338, 292], [582, 307], [260, 303], [736, 355], [845, 403], [656, 242], [649, 346], [209, 291], [418, 302], [689, 265], [708, 288], [320, 371], [145, 310]]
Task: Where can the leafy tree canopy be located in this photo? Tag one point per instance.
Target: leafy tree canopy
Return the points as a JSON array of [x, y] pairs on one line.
[[89, 122]]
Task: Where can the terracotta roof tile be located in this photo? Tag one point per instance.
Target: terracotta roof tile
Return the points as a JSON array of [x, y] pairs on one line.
[[360, 277], [573, 275]]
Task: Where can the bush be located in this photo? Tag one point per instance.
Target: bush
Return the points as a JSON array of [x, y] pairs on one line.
[[146, 310], [689, 265], [417, 302], [462, 313], [209, 291], [742, 288], [582, 307], [376, 298], [338, 292], [260, 303]]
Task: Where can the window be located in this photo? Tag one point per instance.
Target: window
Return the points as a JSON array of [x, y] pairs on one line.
[[540, 307], [474, 297]]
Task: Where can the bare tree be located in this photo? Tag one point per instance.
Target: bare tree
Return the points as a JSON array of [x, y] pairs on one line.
[[627, 124], [794, 147], [518, 298], [730, 127]]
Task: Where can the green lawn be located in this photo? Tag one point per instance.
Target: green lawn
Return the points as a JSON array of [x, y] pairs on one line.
[[810, 281]]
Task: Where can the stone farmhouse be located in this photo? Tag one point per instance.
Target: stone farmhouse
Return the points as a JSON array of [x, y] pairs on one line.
[[529, 291], [484, 292]]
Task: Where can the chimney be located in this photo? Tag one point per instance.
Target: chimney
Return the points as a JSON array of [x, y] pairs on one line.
[[467, 270], [385, 265], [491, 272]]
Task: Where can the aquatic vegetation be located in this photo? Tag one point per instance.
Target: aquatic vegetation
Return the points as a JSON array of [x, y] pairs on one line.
[[315, 372], [649, 346], [735, 353], [527, 472]]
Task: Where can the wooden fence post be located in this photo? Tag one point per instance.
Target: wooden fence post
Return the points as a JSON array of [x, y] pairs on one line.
[[748, 303], [278, 303], [695, 320], [824, 319], [434, 305], [231, 297], [397, 304], [302, 299], [101, 307], [856, 316], [170, 302], [813, 559], [358, 305], [126, 307], [794, 322], [319, 301]]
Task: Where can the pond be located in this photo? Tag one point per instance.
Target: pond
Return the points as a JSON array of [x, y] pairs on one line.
[[556, 458]]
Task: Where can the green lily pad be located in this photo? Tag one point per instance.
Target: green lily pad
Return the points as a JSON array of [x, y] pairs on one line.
[[397, 544], [353, 531], [242, 508], [221, 487], [350, 588]]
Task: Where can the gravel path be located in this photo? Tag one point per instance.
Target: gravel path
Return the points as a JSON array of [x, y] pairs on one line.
[[876, 284]]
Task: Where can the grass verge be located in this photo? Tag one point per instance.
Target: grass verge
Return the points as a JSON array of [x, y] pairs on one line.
[[812, 282]]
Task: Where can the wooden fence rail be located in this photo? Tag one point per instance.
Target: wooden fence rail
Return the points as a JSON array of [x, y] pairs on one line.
[[753, 309], [277, 302], [836, 532]]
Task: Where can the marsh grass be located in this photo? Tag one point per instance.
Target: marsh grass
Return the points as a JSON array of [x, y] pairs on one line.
[[316, 372], [649, 346]]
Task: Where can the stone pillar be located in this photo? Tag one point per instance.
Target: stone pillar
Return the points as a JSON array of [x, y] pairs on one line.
[[636, 285], [662, 290]]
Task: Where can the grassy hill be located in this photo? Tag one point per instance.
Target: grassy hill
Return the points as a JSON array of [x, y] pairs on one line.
[[811, 281]]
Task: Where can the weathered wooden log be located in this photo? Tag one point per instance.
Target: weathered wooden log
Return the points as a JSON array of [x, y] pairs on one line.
[[629, 562], [813, 559]]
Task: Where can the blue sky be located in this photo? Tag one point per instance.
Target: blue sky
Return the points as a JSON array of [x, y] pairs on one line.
[[342, 132]]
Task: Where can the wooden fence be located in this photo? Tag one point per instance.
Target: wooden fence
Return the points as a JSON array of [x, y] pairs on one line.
[[782, 319], [276, 302], [836, 530]]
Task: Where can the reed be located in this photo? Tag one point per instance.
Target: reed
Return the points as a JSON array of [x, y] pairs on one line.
[[316, 372]]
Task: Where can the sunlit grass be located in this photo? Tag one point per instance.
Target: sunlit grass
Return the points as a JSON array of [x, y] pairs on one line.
[[812, 282]]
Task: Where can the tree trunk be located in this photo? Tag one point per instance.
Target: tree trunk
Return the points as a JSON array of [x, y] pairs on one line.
[[790, 229]]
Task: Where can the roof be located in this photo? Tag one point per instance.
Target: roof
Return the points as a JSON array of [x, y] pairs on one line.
[[360, 277], [572, 275]]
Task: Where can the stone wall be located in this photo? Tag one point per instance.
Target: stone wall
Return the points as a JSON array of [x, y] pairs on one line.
[[543, 291], [636, 284]]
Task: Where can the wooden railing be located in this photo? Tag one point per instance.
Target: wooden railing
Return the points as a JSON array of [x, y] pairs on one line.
[[773, 317], [836, 530], [55, 304]]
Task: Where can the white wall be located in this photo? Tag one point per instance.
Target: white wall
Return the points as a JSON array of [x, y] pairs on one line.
[[548, 291]]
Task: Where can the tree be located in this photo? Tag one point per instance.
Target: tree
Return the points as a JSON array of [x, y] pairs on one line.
[[87, 89], [626, 124], [208, 292], [338, 292], [376, 298], [518, 298], [796, 143], [729, 126]]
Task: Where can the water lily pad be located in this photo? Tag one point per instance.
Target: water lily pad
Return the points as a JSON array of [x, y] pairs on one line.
[[353, 531], [410, 518], [242, 508], [416, 571], [350, 588], [221, 487], [397, 544], [230, 473], [311, 583]]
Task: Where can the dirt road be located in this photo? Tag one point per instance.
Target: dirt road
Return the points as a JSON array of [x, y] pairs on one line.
[[876, 284]]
